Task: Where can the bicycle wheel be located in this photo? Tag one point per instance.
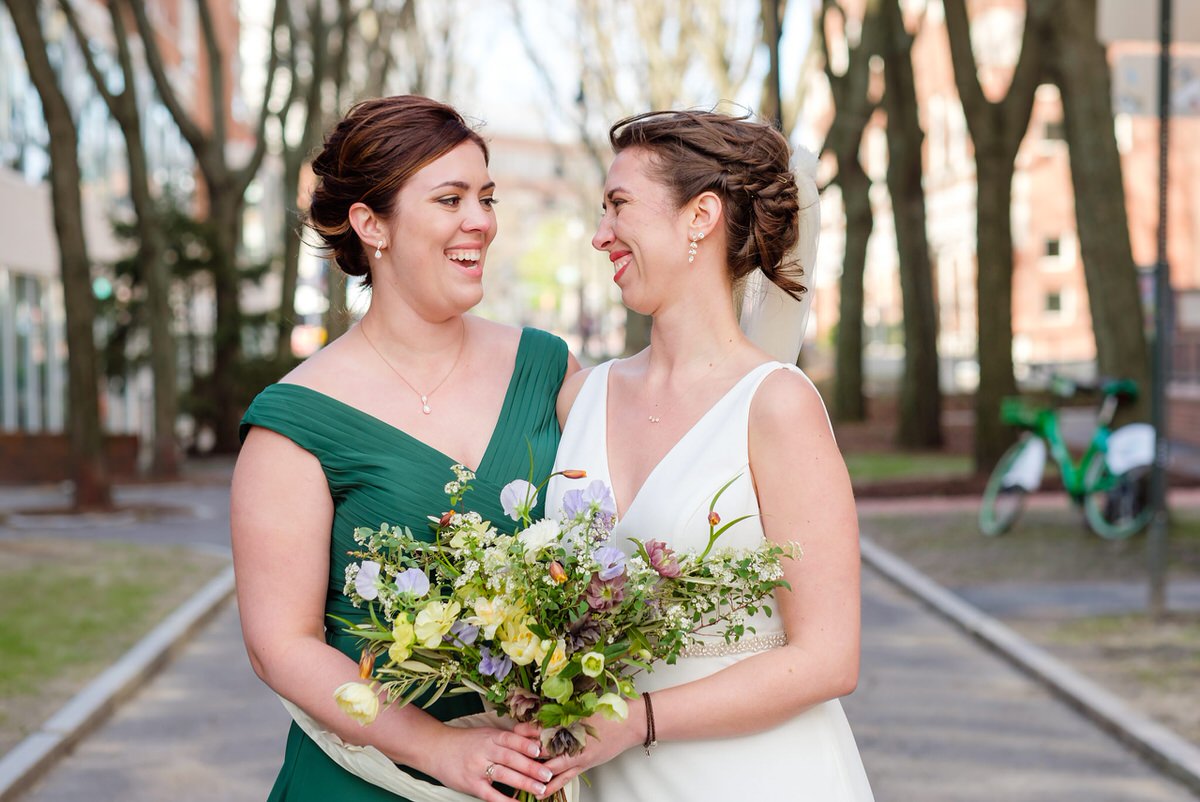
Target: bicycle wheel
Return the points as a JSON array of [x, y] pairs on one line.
[[1017, 473], [1116, 506]]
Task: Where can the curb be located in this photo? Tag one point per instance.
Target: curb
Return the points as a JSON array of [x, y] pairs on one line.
[[1160, 746], [34, 756]]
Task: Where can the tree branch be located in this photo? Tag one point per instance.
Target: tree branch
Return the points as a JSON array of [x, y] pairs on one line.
[[81, 39], [1017, 106], [216, 79], [243, 177], [187, 126], [966, 70]]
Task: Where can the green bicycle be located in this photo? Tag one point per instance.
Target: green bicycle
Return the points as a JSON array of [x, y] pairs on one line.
[[1111, 481]]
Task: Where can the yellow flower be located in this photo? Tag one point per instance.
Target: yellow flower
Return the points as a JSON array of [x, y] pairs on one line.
[[434, 621], [558, 659], [405, 635], [489, 615], [525, 647], [358, 702]]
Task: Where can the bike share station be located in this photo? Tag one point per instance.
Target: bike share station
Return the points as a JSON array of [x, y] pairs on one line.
[[1120, 481]]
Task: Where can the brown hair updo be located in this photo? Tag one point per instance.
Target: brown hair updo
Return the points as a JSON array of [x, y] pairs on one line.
[[368, 157], [747, 165]]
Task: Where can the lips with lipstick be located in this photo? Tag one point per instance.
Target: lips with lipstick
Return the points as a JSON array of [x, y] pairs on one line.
[[620, 261]]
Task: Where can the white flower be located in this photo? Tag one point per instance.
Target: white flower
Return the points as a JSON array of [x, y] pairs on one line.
[[357, 701], [364, 582], [518, 497], [537, 537]]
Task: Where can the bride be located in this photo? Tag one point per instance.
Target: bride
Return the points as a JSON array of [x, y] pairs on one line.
[[694, 203]]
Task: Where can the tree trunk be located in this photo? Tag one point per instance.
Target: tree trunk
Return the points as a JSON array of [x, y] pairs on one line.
[[292, 163], [994, 255], [337, 317], [849, 402], [225, 217], [771, 108], [920, 394], [92, 486], [1081, 72]]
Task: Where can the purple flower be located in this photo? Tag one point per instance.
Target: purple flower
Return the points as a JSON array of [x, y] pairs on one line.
[[605, 595], [595, 500], [491, 665], [662, 559], [523, 704], [365, 579], [461, 634], [518, 498], [611, 560], [413, 581]]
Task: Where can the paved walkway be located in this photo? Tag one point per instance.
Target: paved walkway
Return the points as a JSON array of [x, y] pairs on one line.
[[937, 716]]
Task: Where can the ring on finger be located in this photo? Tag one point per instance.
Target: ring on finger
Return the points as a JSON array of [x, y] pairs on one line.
[[490, 772]]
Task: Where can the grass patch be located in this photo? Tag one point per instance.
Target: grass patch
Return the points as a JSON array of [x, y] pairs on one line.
[[1155, 666], [1049, 544], [69, 608], [882, 466]]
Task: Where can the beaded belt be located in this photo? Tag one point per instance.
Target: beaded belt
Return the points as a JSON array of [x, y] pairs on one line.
[[755, 643]]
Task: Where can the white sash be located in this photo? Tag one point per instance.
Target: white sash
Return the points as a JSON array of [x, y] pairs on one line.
[[373, 766]]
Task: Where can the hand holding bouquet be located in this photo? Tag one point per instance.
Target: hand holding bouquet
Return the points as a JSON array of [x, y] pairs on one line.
[[548, 624]]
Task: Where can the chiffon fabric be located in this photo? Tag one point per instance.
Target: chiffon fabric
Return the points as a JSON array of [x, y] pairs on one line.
[[810, 757], [378, 473]]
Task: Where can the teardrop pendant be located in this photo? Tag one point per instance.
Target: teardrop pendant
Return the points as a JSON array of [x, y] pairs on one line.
[[425, 404]]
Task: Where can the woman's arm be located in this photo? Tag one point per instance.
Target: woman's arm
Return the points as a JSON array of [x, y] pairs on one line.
[[281, 515], [571, 386], [804, 496]]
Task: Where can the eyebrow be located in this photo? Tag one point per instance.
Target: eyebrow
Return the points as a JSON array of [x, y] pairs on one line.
[[608, 195], [463, 185]]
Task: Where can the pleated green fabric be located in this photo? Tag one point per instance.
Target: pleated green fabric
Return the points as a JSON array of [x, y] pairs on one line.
[[380, 474]]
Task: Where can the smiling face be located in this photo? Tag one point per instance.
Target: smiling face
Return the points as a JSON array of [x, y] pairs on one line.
[[439, 232], [642, 231]]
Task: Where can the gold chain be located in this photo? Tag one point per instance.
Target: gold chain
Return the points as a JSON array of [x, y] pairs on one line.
[[423, 396], [692, 385]]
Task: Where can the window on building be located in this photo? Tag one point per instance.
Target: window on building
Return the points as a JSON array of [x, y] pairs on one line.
[[1053, 247], [1054, 131], [1054, 303]]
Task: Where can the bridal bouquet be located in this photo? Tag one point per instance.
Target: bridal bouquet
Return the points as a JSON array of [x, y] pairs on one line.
[[548, 624]]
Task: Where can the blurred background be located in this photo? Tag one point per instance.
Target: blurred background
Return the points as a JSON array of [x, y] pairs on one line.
[[989, 175]]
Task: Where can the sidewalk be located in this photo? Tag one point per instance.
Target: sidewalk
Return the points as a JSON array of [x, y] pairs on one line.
[[938, 716]]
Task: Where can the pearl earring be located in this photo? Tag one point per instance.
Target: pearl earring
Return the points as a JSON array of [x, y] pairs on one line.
[[379, 250], [696, 236]]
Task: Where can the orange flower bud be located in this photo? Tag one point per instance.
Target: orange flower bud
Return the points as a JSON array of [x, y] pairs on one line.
[[366, 664], [713, 519], [445, 521], [573, 473], [557, 572]]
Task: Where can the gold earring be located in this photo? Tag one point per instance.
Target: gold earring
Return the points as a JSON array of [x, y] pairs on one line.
[[696, 236]]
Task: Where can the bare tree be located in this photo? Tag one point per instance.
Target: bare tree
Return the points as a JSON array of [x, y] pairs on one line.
[[919, 424], [226, 186], [648, 66], [1077, 64], [152, 267], [853, 109], [997, 128], [89, 470], [321, 42]]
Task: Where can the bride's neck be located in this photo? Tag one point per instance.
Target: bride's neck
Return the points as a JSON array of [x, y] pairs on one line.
[[692, 333]]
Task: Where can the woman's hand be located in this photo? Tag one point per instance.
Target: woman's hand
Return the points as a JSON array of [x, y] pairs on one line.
[[464, 760], [611, 739]]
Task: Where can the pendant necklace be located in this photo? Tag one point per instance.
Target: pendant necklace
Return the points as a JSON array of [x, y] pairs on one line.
[[705, 375], [423, 396]]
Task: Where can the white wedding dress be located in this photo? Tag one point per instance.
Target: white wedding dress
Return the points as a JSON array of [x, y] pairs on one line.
[[811, 757]]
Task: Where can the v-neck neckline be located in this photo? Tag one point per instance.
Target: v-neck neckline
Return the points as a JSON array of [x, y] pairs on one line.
[[485, 460], [669, 452]]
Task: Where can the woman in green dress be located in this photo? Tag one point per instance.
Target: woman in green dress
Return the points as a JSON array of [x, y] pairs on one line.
[[365, 432]]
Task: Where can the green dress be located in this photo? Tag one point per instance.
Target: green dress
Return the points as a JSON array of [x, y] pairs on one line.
[[378, 473]]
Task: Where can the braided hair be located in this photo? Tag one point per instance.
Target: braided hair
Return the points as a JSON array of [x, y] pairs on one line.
[[746, 164]]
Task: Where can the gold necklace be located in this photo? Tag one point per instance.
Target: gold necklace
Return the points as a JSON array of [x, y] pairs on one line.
[[705, 375], [423, 396]]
